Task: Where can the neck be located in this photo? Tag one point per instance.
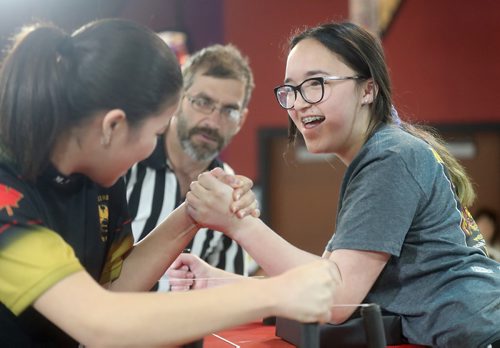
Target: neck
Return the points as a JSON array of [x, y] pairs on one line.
[[66, 151], [357, 137]]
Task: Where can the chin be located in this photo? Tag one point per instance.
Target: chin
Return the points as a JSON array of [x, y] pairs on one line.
[[106, 182], [109, 184], [314, 149], [318, 148]]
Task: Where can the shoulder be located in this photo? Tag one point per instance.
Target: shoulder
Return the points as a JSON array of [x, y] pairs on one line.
[[15, 195], [394, 144], [392, 139], [394, 156]]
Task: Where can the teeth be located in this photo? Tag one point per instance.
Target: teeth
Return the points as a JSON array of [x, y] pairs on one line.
[[312, 119]]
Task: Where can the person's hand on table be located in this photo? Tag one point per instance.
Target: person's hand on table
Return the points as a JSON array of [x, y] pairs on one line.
[[305, 293], [188, 271]]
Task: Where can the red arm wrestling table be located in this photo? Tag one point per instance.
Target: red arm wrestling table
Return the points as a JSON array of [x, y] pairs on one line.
[[256, 335]]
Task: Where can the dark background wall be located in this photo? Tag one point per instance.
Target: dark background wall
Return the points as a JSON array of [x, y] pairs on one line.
[[444, 60], [203, 20]]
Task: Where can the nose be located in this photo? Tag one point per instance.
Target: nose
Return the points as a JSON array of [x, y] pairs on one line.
[[300, 102], [216, 113], [213, 119]]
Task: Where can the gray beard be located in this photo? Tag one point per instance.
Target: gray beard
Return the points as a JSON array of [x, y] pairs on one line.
[[198, 153], [203, 152]]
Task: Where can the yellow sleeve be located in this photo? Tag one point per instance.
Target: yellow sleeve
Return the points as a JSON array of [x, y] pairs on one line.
[[114, 261], [31, 261]]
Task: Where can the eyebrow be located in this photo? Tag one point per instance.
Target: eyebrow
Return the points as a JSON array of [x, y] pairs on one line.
[[203, 95], [309, 74], [230, 105]]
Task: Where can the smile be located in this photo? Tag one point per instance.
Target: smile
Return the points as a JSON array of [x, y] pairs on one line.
[[312, 120]]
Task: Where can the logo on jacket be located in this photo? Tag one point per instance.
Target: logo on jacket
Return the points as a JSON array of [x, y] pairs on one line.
[[102, 207], [9, 199]]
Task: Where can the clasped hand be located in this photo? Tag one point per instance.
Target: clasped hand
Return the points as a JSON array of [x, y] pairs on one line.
[[217, 200]]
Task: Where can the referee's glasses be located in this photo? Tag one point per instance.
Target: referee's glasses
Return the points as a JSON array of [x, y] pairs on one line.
[[206, 106], [312, 90]]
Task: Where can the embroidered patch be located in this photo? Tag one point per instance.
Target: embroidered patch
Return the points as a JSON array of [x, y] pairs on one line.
[[9, 199], [102, 206]]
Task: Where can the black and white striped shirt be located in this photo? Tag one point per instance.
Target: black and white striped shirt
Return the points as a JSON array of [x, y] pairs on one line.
[[153, 192]]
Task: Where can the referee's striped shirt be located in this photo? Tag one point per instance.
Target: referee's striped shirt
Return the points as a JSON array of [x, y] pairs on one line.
[[153, 192]]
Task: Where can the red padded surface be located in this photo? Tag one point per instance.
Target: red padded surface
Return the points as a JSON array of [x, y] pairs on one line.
[[256, 335]]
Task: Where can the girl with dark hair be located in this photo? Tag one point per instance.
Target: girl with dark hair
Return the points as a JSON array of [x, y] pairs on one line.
[[76, 112], [404, 238]]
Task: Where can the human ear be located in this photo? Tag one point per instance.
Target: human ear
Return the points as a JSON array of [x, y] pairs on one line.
[[242, 120], [369, 92], [111, 122]]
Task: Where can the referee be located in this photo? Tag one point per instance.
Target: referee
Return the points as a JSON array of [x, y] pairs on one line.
[[218, 83]]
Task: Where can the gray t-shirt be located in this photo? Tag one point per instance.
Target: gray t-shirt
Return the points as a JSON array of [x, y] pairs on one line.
[[396, 198]]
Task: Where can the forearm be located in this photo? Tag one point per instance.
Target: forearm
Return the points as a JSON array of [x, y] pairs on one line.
[[273, 253], [151, 256], [178, 311], [97, 317], [176, 318], [357, 271]]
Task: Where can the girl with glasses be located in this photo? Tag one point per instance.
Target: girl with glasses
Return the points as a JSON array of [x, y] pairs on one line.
[[404, 238]]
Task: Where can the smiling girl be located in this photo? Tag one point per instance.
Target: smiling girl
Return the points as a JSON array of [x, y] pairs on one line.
[[404, 238]]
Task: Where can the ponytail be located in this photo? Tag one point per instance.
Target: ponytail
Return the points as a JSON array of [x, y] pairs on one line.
[[51, 82], [32, 99], [458, 176]]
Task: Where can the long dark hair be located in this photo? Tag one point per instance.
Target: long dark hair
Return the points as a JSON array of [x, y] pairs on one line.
[[363, 53], [51, 81]]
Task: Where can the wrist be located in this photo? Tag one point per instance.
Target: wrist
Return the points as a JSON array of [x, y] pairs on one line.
[[190, 224], [273, 293], [242, 227]]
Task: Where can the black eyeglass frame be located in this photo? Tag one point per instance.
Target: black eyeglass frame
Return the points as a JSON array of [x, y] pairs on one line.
[[320, 79]]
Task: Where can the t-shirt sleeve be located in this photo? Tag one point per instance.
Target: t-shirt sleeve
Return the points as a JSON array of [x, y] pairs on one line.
[[116, 256], [378, 206], [32, 259]]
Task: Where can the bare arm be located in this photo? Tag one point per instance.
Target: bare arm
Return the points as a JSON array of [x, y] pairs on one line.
[[209, 203], [272, 252], [188, 271], [95, 316], [151, 257], [358, 270]]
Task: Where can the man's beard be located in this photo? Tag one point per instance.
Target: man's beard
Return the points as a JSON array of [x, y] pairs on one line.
[[199, 152]]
